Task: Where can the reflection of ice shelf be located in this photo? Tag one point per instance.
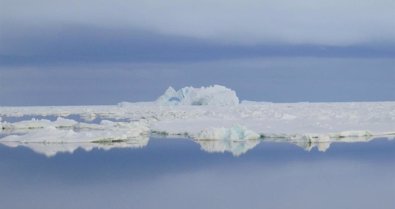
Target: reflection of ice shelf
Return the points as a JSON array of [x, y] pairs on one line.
[[235, 147], [238, 147], [52, 149], [323, 143], [211, 113]]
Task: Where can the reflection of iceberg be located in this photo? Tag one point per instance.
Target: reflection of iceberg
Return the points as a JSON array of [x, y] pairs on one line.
[[51, 149], [236, 140], [228, 134], [307, 142], [233, 146]]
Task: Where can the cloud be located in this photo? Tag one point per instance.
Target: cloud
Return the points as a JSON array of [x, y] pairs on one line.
[[316, 22], [59, 44]]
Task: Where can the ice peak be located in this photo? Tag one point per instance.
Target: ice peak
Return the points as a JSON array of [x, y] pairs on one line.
[[170, 91], [212, 95]]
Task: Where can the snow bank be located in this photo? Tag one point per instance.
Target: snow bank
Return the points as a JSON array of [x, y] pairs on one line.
[[212, 95]]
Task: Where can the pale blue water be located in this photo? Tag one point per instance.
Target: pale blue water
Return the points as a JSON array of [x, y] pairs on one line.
[[265, 79], [176, 173]]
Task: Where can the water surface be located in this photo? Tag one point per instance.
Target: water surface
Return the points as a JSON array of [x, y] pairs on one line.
[[177, 173]]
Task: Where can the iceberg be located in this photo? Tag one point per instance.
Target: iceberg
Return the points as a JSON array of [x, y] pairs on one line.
[[211, 95]]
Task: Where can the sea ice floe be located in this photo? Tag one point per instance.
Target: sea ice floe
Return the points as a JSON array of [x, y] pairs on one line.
[[206, 113], [39, 123], [66, 130]]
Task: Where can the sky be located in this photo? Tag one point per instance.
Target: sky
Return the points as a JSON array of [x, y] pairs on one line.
[[58, 52], [59, 31]]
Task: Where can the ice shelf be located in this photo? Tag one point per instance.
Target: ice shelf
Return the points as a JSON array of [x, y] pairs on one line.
[[203, 114]]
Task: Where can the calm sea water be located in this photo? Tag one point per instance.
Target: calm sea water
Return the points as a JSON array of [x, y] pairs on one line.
[[266, 79], [177, 173]]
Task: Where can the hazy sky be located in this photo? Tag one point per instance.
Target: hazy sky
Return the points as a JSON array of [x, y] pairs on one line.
[[328, 22], [124, 30], [63, 52]]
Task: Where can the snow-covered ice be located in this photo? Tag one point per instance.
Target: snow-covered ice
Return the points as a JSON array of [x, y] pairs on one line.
[[212, 116], [66, 130]]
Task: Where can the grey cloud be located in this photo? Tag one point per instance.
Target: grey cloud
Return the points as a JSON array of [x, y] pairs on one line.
[[317, 22], [86, 43]]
